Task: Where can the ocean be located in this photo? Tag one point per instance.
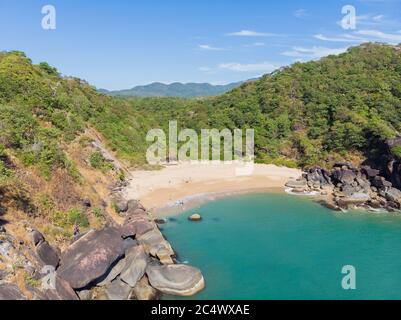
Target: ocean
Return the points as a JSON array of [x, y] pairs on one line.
[[280, 246]]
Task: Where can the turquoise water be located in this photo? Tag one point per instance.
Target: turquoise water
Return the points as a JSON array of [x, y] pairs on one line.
[[275, 246]]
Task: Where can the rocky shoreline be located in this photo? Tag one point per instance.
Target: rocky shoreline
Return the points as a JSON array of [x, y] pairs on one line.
[[129, 261], [347, 187]]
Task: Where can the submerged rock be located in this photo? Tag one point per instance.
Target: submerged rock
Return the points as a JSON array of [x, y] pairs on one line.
[[195, 217], [89, 258], [179, 280]]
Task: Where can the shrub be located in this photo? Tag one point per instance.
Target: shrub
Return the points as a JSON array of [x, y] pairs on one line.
[[396, 151], [76, 216], [97, 161]]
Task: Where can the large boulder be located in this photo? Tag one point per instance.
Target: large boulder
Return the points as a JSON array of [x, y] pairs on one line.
[[89, 258], [295, 184], [370, 172], [195, 217], [134, 205], [118, 290], [36, 237], [144, 291], [10, 292], [136, 225], [178, 280], [113, 274], [356, 198], [48, 254], [62, 291], [344, 176], [381, 183], [394, 195], [136, 261], [155, 245]]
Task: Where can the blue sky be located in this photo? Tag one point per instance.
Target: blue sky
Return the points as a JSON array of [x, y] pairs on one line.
[[119, 44]]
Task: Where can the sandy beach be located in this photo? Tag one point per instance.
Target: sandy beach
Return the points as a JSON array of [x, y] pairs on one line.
[[179, 187]]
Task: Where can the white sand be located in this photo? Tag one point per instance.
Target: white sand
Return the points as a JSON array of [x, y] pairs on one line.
[[169, 186]]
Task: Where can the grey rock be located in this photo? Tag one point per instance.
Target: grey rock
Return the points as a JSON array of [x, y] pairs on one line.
[[296, 184], [195, 217], [10, 292], [63, 291], [155, 245], [346, 165], [86, 203], [136, 225], [85, 295], [136, 261], [118, 290], [114, 273], [36, 237], [134, 205], [89, 258], [48, 254], [355, 199], [121, 205], [393, 195], [381, 183], [344, 176], [369, 172], [144, 291], [180, 280]]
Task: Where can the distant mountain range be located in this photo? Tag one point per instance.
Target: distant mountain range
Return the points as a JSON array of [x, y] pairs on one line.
[[177, 89]]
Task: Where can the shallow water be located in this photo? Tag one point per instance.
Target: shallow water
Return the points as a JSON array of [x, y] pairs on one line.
[[277, 246]]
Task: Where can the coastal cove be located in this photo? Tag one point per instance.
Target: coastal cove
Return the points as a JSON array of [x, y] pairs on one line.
[[295, 248]]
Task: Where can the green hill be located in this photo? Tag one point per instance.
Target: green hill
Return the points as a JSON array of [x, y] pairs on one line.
[[181, 90]]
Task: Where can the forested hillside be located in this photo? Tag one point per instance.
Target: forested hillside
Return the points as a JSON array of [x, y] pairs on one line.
[[341, 107], [336, 107]]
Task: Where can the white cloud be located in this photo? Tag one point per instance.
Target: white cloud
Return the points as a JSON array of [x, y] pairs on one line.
[[209, 47], [313, 52], [340, 38], [249, 33], [300, 13], [256, 44], [251, 67], [393, 38]]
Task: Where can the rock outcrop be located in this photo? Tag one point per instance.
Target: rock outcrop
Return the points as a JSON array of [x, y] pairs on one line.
[[179, 280], [112, 264], [10, 292], [346, 186], [89, 258]]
